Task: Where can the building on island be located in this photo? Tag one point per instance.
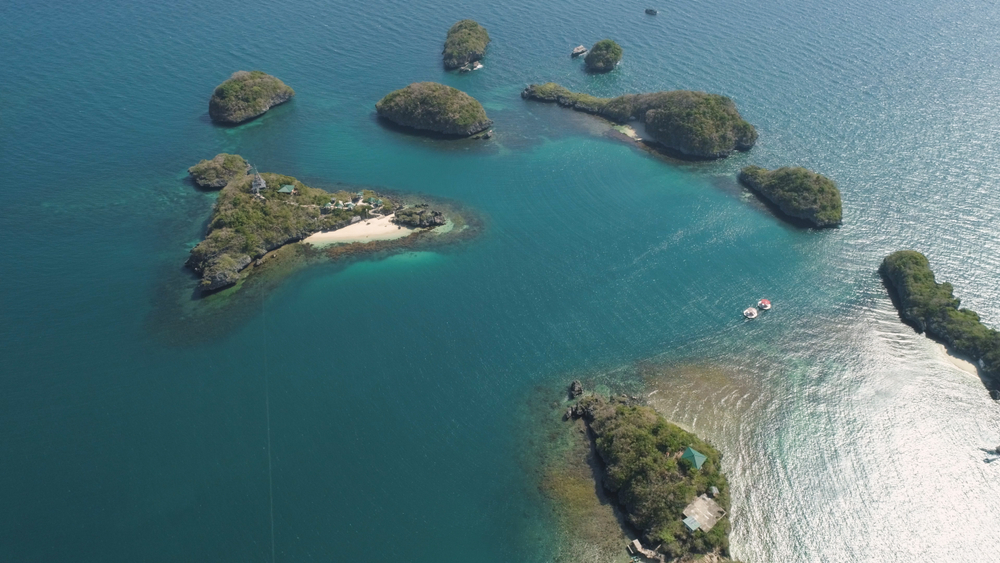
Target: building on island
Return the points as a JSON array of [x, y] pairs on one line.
[[702, 514], [694, 456], [287, 189]]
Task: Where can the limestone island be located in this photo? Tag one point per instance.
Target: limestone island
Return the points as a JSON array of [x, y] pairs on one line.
[[691, 124], [465, 44], [429, 106], [665, 480], [216, 173], [261, 212], [603, 56], [798, 193], [932, 308], [246, 95]]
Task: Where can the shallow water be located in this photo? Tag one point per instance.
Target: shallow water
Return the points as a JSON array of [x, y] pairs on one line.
[[392, 382]]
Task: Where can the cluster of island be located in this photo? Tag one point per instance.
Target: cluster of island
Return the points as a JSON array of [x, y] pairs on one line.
[[666, 480]]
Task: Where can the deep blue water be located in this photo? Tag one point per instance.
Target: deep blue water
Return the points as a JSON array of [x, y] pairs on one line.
[[394, 384]]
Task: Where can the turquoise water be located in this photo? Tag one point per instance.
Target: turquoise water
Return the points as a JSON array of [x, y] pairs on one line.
[[394, 385]]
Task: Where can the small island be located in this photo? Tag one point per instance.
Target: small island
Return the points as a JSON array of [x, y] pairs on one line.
[[666, 481], [799, 193], [466, 43], [603, 56], [258, 213], [429, 106], [693, 125], [245, 96], [932, 308], [216, 173]]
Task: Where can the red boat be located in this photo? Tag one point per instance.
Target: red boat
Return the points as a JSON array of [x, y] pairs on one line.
[[764, 304]]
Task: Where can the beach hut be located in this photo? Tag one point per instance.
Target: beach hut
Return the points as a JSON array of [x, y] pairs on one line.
[[694, 456]]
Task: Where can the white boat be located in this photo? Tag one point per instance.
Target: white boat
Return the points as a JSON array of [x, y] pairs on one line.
[[764, 304], [750, 313]]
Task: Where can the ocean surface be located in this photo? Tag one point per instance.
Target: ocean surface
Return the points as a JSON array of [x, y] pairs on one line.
[[374, 411]]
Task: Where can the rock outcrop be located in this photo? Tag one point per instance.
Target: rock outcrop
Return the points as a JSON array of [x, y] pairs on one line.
[[466, 43], [692, 124], [430, 106], [247, 95], [419, 217], [798, 193], [575, 389], [216, 173], [603, 56]]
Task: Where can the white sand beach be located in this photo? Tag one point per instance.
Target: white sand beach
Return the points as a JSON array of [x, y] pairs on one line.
[[961, 364], [380, 228]]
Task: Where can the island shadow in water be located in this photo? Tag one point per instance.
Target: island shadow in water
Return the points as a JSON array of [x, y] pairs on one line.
[[438, 140], [182, 315]]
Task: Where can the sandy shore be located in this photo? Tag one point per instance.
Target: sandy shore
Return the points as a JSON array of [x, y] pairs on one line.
[[380, 228], [957, 362]]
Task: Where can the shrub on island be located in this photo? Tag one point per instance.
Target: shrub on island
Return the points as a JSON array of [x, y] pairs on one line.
[[932, 307], [246, 95], [219, 171], [644, 468], [603, 56], [466, 42], [798, 192], [693, 124], [430, 106]]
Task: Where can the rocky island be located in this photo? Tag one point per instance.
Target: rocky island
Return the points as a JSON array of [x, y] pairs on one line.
[[603, 56], [429, 106], [665, 480], [798, 193], [258, 213], [690, 124], [466, 43], [932, 308], [216, 173], [246, 95]]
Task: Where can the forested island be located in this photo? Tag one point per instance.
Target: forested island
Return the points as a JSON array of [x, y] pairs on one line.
[[216, 173], [798, 193], [247, 95], [466, 43], [932, 307], [256, 214], [691, 124], [603, 56], [429, 106], [666, 480]]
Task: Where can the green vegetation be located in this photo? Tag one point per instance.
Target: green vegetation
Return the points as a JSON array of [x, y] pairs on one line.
[[603, 56], [798, 192], [244, 227], [246, 95], [466, 42], [641, 454], [434, 107], [694, 124], [933, 308], [219, 171]]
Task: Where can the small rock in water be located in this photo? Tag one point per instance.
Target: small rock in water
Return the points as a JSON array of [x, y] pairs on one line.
[[575, 389]]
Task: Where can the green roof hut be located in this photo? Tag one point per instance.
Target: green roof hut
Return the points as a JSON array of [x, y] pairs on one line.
[[691, 523], [286, 189], [694, 456]]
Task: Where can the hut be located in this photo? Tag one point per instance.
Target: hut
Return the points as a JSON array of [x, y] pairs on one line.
[[287, 189], [694, 456]]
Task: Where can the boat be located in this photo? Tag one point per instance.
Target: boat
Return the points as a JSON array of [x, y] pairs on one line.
[[651, 11], [764, 304], [577, 51], [750, 313]]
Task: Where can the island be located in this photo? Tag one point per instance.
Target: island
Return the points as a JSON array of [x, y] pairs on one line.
[[466, 43], [932, 308], [245, 96], [258, 213], [603, 56], [666, 481], [689, 124], [216, 173], [429, 106], [799, 193]]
